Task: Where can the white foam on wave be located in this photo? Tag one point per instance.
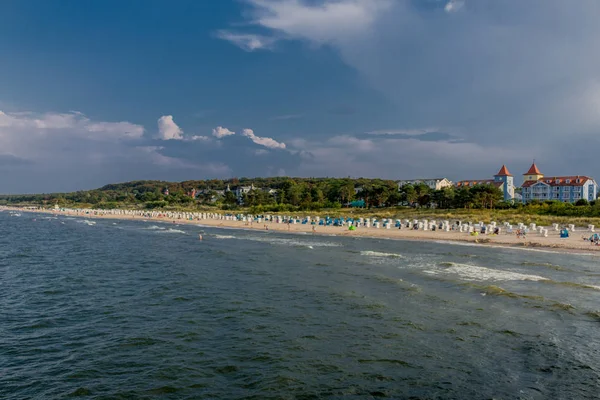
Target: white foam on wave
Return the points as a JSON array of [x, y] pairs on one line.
[[171, 231], [155, 228], [292, 242], [370, 253], [86, 221], [224, 237], [476, 273]]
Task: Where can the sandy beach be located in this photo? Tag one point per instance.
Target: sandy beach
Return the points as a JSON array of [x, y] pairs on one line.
[[533, 240]]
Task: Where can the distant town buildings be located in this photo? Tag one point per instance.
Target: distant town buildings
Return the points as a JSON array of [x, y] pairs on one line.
[[536, 186], [568, 189], [433, 184]]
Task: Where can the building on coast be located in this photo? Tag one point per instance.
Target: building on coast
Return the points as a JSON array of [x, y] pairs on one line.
[[568, 189], [433, 183], [503, 180]]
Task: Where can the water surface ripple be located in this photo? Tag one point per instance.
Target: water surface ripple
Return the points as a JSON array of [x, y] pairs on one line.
[[143, 310]]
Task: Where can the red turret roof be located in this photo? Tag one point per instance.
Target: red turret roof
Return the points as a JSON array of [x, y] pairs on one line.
[[503, 172], [533, 170]]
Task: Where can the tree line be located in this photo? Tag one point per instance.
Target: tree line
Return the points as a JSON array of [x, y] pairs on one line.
[[290, 194]]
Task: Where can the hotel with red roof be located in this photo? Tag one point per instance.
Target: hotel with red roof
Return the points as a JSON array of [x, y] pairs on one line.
[[568, 189]]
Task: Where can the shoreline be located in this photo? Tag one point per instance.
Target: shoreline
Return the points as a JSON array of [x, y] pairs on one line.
[[573, 244]]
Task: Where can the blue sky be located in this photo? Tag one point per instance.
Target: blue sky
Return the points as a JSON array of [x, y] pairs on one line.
[[100, 92]]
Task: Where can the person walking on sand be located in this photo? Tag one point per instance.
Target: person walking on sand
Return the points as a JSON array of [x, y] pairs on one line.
[[314, 229]]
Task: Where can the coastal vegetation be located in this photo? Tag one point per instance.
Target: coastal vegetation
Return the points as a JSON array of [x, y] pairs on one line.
[[331, 196]]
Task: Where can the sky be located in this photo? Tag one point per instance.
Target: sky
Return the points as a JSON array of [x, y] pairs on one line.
[[93, 93]]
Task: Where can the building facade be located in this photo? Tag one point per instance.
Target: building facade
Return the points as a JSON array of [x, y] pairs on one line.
[[503, 180], [433, 184], [568, 189]]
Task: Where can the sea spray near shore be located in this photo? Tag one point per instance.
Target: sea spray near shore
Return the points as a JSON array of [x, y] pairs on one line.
[[478, 273]]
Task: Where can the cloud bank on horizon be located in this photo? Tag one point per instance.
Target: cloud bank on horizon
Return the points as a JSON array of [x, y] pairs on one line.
[[466, 86]]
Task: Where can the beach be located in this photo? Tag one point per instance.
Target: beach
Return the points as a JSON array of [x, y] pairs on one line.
[[574, 242]]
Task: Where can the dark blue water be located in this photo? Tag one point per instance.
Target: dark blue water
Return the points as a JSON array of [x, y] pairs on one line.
[[134, 310]]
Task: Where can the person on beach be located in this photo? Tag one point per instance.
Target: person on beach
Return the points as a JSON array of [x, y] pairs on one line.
[[314, 229]]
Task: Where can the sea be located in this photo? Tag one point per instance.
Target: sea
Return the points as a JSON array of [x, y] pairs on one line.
[[111, 309]]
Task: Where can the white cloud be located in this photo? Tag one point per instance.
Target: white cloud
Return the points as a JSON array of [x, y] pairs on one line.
[[321, 23], [219, 132], [74, 123], [454, 5], [168, 129], [199, 138], [68, 151], [247, 41], [263, 141]]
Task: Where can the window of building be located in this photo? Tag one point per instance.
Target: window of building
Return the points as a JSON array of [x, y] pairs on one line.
[[557, 181], [578, 180], [567, 181], [548, 181]]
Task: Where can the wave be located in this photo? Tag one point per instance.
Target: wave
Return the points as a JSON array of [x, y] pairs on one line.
[[224, 237], [493, 290], [87, 222], [171, 231], [546, 265], [290, 242], [155, 227], [370, 253], [572, 284], [477, 273], [593, 314]]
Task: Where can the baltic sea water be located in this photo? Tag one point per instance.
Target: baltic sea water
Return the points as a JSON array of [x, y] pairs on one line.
[[104, 309]]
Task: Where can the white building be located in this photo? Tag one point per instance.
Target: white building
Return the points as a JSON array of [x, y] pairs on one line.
[[433, 184], [568, 189]]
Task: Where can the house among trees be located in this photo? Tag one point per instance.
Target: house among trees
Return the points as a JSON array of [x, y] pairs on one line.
[[433, 184], [568, 189], [503, 180]]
